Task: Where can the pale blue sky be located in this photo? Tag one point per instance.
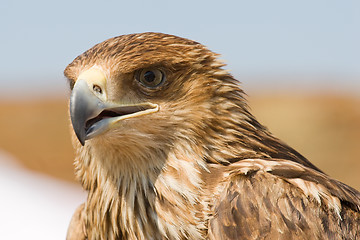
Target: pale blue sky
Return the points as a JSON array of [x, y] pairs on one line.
[[256, 38]]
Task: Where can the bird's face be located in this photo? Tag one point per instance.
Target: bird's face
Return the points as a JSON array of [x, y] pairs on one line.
[[142, 89], [96, 107]]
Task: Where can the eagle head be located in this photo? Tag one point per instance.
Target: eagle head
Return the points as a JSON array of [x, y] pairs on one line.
[[143, 93]]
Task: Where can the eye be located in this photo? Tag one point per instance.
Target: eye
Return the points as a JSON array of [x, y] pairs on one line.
[[151, 77], [97, 88]]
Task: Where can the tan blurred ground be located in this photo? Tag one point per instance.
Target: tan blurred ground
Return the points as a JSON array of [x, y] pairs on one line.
[[324, 128]]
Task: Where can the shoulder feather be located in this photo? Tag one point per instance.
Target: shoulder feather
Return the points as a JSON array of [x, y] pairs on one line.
[[281, 199]]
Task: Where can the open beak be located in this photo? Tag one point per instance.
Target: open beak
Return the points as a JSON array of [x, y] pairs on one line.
[[91, 115]]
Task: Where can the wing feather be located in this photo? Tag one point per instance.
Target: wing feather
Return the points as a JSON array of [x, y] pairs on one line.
[[262, 199]]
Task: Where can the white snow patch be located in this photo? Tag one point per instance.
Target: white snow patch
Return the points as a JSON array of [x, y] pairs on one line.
[[32, 205]]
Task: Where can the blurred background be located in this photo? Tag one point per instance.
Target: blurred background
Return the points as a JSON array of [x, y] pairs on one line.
[[298, 61]]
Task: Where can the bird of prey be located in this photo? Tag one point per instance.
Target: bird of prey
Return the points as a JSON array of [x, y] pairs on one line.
[[167, 149]]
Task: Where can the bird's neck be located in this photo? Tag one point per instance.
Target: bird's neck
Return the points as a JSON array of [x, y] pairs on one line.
[[234, 134], [129, 202]]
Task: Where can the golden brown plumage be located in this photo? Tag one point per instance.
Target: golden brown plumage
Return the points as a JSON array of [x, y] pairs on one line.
[[167, 149]]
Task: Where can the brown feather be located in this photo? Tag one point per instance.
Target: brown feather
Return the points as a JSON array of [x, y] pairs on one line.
[[279, 199], [77, 229], [202, 167]]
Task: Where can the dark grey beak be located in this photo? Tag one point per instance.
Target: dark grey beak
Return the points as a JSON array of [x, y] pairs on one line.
[[84, 105], [91, 116]]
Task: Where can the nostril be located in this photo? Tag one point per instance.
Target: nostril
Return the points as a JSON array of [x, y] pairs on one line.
[[97, 88]]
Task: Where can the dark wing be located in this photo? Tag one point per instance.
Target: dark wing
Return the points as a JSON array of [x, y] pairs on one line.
[[282, 200], [76, 230]]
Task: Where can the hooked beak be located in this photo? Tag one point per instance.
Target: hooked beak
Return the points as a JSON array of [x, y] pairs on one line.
[[92, 115]]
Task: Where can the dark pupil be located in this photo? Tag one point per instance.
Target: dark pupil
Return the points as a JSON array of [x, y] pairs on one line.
[[149, 76]]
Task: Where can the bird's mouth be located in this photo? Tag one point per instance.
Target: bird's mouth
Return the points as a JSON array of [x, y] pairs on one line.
[[113, 113], [95, 126], [91, 115]]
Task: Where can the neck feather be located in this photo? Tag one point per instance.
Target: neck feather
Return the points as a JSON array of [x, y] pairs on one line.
[[157, 202]]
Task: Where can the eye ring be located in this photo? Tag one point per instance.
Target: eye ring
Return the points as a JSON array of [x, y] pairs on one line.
[[97, 89], [151, 78]]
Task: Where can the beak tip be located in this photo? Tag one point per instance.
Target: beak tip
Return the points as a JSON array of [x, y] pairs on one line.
[[81, 135], [82, 142], [79, 130]]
